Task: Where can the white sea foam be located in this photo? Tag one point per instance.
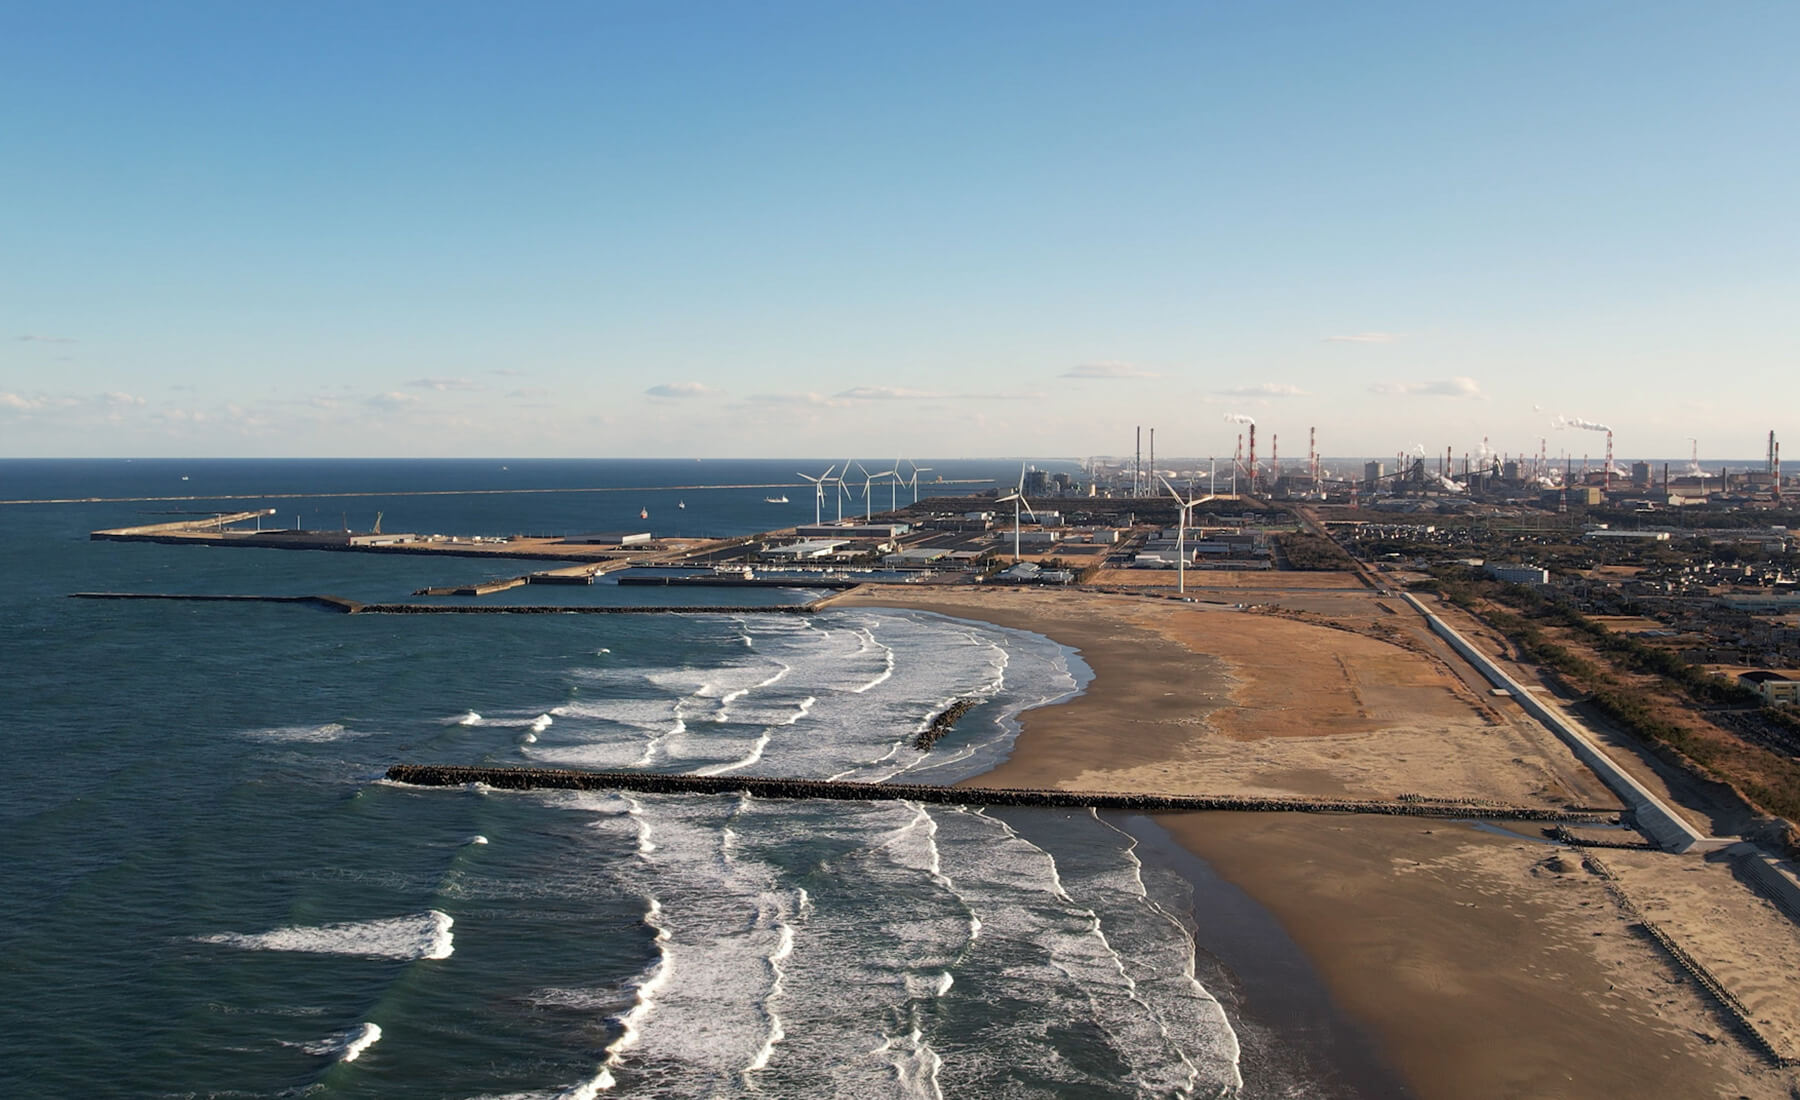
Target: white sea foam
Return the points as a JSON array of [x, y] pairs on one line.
[[422, 936], [330, 731], [344, 1046], [469, 718], [477, 839], [648, 984], [917, 915], [364, 1038], [866, 680]]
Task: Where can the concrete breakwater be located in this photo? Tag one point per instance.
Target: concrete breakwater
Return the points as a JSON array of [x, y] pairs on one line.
[[353, 607], [942, 723], [520, 779], [552, 609], [329, 603]]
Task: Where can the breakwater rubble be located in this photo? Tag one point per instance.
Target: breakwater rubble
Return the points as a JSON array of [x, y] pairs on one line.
[[519, 779], [942, 723], [353, 607]]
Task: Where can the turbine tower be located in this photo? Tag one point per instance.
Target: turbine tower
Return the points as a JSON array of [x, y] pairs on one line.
[[818, 484], [1183, 510], [914, 482], [869, 480], [1017, 496], [842, 489]]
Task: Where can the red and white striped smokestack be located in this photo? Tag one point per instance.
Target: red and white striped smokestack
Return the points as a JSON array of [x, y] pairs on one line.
[[1275, 457]]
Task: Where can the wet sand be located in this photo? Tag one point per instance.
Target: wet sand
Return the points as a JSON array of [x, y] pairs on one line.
[[1456, 961]]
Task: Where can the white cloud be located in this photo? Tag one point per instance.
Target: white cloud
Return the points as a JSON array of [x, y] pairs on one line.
[[22, 404], [393, 399], [814, 400], [895, 393], [1266, 389], [1363, 338], [680, 389], [1108, 370], [443, 384], [889, 393], [33, 338], [121, 400], [1446, 387]]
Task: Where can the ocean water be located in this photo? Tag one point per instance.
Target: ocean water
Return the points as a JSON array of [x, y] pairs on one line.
[[211, 891]]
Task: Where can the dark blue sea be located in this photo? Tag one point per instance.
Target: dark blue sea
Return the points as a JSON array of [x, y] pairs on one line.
[[212, 891]]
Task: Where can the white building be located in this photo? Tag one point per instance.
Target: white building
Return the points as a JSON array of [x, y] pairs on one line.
[[1518, 574], [1776, 687], [810, 550]]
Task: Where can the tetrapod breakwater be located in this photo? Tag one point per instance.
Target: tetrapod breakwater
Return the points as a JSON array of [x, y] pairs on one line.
[[354, 607], [520, 779]]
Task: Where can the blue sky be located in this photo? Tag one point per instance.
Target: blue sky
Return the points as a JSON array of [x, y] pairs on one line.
[[961, 229]]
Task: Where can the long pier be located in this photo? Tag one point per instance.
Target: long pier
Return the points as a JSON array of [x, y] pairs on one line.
[[366, 493], [523, 779], [356, 607]]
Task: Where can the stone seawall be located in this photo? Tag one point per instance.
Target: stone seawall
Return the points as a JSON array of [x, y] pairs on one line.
[[448, 775]]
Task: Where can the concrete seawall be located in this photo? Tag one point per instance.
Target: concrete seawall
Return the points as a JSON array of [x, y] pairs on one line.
[[447, 775], [1653, 817]]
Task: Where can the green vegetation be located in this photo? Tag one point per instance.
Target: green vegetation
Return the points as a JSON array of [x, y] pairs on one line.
[[1770, 779], [1309, 552]]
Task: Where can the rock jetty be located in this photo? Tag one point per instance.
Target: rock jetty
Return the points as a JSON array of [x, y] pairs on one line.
[[942, 723], [520, 779]]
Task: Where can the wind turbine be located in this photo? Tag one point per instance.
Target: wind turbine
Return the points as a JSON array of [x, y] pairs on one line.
[[842, 489], [894, 483], [917, 470], [869, 480], [1182, 507], [1017, 496], [818, 484]]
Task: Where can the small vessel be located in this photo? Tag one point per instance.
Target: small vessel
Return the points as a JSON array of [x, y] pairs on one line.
[[681, 504], [643, 513], [776, 500], [184, 477]]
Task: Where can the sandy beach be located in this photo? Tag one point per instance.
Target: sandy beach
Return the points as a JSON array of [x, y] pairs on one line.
[[1477, 962]]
